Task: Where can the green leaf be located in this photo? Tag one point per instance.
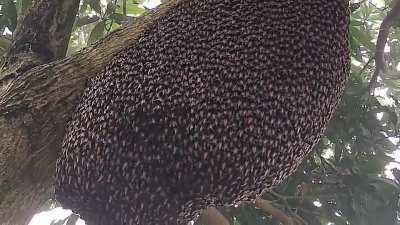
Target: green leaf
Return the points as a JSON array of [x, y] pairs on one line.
[[97, 32], [72, 219], [388, 182], [120, 18], [9, 12], [355, 22], [83, 7], [362, 37], [59, 222], [85, 20], [132, 8], [110, 8], [95, 5], [4, 43], [22, 6], [373, 166]]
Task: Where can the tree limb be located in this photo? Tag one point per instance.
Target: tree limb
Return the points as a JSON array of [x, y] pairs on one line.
[[392, 16], [45, 29], [69, 75], [35, 105], [213, 217], [275, 212]]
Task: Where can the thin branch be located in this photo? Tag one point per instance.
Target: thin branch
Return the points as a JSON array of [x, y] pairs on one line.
[[72, 219], [284, 200], [45, 29], [366, 65], [124, 7], [392, 16], [108, 29], [329, 163], [213, 217], [275, 212], [299, 219]]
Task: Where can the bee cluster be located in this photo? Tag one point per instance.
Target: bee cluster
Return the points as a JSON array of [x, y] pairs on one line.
[[216, 102]]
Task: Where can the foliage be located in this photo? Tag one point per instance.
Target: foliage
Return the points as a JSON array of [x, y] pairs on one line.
[[345, 180], [96, 19]]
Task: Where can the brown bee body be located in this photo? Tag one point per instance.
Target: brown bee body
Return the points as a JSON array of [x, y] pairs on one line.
[[217, 101]]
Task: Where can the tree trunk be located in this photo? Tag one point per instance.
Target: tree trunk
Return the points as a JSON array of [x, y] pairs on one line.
[[37, 96]]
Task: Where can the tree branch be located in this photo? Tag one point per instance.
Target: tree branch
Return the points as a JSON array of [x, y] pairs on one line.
[[35, 105], [275, 212], [387, 23], [213, 217], [65, 79], [45, 29]]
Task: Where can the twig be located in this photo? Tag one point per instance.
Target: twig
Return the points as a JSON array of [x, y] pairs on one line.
[[108, 29], [366, 65], [213, 217], [284, 199], [72, 219], [329, 163], [299, 219], [275, 212], [387, 23], [124, 7]]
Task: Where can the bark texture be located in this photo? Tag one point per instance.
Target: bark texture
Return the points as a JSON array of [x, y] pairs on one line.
[[37, 99], [45, 29]]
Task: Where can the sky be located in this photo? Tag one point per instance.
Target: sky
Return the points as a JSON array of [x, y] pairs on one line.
[[45, 218]]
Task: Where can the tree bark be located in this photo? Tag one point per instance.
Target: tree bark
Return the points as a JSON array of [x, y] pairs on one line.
[[36, 101], [45, 29]]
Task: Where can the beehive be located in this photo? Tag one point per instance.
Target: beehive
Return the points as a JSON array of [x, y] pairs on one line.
[[218, 100]]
